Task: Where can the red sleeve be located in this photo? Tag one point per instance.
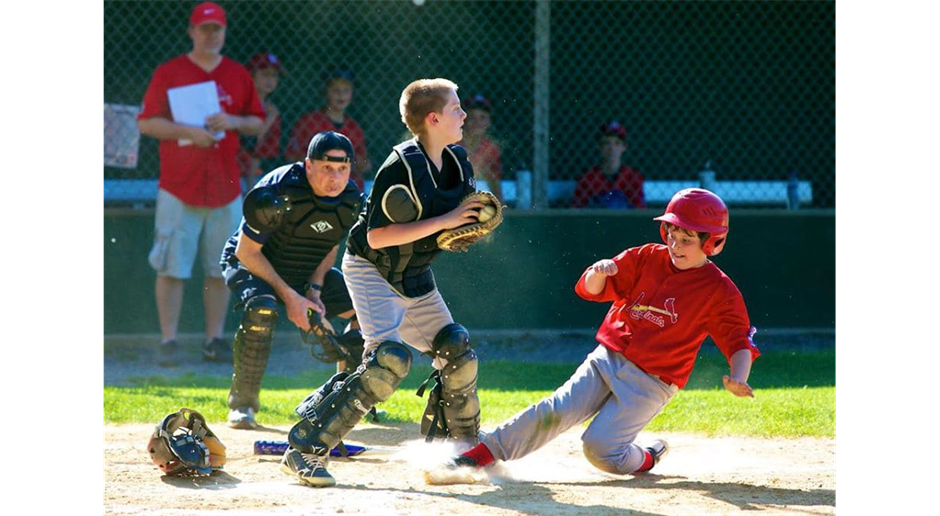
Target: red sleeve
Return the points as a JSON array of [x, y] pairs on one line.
[[358, 139], [497, 169], [582, 191], [730, 327], [637, 198], [299, 138], [156, 103], [619, 285], [252, 105], [491, 159], [270, 146]]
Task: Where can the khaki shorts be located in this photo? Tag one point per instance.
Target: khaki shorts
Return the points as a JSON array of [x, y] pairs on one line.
[[181, 230]]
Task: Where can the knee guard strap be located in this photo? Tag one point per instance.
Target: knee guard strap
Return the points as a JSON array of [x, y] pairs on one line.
[[252, 347]]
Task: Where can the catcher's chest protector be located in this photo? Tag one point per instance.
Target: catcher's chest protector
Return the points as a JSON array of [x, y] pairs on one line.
[[408, 269], [313, 226], [433, 199]]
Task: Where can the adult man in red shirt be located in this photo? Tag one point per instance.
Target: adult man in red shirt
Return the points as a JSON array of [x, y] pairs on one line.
[[198, 201]]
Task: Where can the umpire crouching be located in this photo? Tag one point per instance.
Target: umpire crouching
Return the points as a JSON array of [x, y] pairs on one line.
[[283, 253]]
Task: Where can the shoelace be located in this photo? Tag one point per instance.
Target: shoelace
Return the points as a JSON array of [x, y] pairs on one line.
[[312, 462]]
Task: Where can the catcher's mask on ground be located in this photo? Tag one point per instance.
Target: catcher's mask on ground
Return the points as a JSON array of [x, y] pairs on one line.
[[182, 444]]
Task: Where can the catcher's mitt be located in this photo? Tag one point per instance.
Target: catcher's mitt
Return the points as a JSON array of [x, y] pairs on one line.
[[491, 215], [328, 347]]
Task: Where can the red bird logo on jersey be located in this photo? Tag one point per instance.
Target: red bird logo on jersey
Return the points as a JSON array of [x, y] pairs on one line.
[[638, 311]]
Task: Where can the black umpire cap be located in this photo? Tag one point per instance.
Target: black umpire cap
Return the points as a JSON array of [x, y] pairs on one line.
[[324, 142]]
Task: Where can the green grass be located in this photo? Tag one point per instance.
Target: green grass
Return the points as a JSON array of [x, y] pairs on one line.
[[795, 396], [806, 412]]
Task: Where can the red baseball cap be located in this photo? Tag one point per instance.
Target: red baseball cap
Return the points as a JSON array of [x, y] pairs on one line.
[[614, 128], [263, 60], [207, 12], [477, 102]]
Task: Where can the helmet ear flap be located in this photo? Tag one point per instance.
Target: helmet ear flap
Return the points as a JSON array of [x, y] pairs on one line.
[[715, 245], [711, 247], [695, 209]]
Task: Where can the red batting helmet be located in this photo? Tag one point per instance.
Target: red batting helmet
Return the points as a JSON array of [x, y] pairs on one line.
[[697, 209]]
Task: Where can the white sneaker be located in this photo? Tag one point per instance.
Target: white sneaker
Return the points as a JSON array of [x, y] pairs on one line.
[[242, 417]]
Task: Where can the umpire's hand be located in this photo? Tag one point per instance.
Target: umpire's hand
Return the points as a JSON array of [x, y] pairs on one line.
[[297, 307]]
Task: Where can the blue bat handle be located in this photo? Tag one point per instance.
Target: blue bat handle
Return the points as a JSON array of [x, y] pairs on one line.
[[279, 447]]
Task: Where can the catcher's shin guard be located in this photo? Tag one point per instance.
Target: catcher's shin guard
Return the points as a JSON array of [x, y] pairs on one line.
[[252, 347], [332, 411], [352, 341], [453, 405]]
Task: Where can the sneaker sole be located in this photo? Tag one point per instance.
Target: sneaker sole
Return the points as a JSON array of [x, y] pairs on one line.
[[310, 481], [317, 481], [243, 425]]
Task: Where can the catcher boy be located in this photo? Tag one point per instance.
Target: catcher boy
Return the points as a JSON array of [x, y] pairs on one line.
[[419, 192]]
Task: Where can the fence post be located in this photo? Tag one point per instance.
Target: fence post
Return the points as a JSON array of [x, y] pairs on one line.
[[540, 147]]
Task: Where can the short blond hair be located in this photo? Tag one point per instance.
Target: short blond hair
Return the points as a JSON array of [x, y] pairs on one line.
[[422, 97]]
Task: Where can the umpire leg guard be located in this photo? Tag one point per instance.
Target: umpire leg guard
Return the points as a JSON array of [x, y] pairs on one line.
[[252, 348], [331, 412], [453, 405]]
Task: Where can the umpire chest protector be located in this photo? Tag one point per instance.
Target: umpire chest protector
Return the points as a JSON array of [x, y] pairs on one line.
[[311, 227], [407, 267]]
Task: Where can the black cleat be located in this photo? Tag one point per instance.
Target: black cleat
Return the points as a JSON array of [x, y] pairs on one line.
[[309, 469], [217, 350]]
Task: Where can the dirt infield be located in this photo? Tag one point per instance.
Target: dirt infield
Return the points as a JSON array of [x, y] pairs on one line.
[[699, 476]]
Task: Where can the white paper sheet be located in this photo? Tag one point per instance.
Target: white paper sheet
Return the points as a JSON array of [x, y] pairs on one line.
[[192, 104]]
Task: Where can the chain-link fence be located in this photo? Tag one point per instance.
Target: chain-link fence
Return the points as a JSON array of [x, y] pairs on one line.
[[738, 96]]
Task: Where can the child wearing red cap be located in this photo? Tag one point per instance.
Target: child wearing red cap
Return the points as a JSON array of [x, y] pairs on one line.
[[266, 71], [610, 184], [483, 150]]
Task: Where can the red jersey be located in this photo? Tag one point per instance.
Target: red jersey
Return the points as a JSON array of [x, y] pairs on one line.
[[268, 147], [661, 315], [317, 122], [202, 176], [486, 160], [594, 183]]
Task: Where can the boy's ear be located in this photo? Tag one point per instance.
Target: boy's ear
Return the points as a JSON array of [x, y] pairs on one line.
[[431, 118]]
